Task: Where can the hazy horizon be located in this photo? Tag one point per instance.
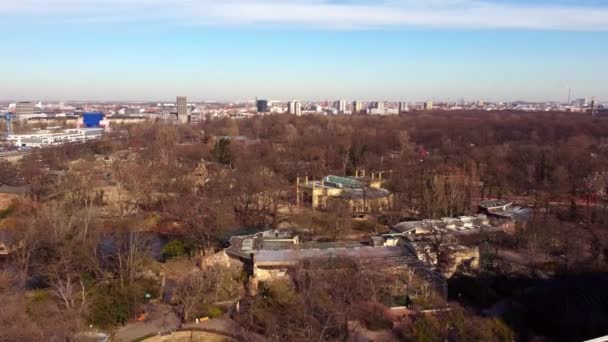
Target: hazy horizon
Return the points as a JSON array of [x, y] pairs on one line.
[[252, 101]]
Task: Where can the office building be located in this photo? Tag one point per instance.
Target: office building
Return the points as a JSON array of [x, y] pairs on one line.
[[377, 108], [48, 138], [294, 108], [403, 107], [93, 120], [580, 103], [273, 255], [357, 107], [340, 106], [262, 106], [24, 110], [378, 105], [428, 105], [594, 106], [182, 109]]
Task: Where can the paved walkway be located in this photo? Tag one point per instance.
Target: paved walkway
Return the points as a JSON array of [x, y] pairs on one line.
[[161, 320], [224, 326], [190, 336]]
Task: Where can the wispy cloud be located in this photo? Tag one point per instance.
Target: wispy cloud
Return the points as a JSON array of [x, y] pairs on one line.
[[343, 14]]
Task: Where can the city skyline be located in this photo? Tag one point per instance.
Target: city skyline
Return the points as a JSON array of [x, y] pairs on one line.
[[147, 50]]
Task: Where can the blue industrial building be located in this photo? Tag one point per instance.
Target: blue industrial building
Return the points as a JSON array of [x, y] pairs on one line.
[[92, 120]]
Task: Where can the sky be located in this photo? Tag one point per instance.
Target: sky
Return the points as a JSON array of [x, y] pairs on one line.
[[228, 50]]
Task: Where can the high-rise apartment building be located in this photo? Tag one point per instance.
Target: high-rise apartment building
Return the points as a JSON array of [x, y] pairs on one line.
[[24, 110], [377, 108], [262, 106], [182, 109], [340, 106], [594, 106], [428, 105], [295, 108], [357, 107], [403, 107]]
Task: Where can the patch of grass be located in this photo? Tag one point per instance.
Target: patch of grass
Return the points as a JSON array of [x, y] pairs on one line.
[[175, 249], [215, 312], [151, 221]]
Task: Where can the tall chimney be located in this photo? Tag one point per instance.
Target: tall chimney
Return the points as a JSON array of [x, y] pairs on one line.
[[314, 202], [298, 192]]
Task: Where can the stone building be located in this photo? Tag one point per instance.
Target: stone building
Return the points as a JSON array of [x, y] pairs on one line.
[[361, 194], [428, 238], [272, 255]]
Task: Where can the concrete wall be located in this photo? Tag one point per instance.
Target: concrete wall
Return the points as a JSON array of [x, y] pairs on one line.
[[264, 274]]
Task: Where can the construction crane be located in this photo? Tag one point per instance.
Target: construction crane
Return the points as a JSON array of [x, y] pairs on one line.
[[9, 123]]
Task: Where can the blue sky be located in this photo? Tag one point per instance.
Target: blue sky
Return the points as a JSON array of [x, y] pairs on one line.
[[409, 50]]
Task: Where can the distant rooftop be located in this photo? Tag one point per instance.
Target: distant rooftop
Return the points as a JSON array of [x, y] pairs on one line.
[[369, 193], [15, 190], [496, 203], [461, 225], [385, 257], [244, 246], [276, 240], [343, 182], [505, 209], [233, 137], [514, 213], [296, 255]]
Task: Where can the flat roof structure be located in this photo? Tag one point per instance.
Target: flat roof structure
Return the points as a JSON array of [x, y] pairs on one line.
[[293, 256], [460, 225], [380, 258], [46, 138], [505, 209], [273, 249]]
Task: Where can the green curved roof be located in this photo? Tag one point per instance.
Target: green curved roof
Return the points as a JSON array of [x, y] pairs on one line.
[[344, 182]]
